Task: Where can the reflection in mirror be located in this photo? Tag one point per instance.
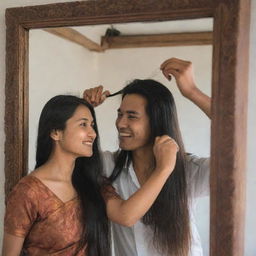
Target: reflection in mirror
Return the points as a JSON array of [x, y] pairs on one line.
[[60, 66]]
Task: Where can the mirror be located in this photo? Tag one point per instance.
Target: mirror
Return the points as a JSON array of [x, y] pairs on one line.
[[229, 79], [60, 66]]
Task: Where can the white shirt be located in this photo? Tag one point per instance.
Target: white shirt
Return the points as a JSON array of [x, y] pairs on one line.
[[137, 240]]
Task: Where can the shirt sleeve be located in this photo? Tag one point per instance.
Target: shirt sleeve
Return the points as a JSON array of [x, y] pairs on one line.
[[198, 176], [108, 162], [21, 210]]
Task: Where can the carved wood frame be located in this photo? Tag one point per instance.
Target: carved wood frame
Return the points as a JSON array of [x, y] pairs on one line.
[[229, 92]]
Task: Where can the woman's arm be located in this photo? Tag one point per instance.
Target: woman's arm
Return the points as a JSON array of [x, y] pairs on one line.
[[128, 212], [12, 245], [183, 73]]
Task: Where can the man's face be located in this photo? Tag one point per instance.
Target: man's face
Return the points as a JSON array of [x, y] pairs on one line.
[[133, 123]]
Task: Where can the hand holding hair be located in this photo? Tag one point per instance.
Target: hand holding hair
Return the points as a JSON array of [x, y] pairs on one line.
[[95, 96], [183, 73], [165, 150]]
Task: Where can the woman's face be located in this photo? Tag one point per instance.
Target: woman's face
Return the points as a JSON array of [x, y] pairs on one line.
[[78, 136]]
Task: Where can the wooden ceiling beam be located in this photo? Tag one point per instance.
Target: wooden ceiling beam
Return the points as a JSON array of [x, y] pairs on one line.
[[134, 41], [76, 37], [158, 40]]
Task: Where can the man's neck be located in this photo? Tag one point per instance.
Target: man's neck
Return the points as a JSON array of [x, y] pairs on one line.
[[143, 161]]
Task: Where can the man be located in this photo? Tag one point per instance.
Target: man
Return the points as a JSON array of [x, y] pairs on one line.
[[146, 114]]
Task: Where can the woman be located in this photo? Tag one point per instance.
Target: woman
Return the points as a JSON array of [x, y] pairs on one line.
[[59, 208]]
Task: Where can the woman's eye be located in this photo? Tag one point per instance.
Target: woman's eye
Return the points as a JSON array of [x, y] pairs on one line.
[[131, 117], [83, 124]]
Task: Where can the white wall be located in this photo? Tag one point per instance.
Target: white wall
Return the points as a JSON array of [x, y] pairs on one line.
[[250, 245], [56, 66], [144, 63], [59, 66], [143, 72]]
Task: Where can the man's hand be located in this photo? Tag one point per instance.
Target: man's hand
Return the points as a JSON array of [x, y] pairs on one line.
[[165, 150], [183, 73]]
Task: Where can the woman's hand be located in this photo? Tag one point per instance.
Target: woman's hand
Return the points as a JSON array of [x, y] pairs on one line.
[[95, 96]]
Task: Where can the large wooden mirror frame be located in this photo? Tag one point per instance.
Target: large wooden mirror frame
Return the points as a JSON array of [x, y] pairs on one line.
[[229, 92]]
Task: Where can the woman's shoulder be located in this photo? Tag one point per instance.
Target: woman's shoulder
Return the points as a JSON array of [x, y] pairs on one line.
[[22, 206], [28, 185], [30, 180]]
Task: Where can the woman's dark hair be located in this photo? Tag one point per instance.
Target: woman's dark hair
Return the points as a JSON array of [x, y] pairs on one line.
[[169, 215], [86, 177]]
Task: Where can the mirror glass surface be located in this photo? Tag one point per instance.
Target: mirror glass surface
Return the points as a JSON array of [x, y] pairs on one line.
[[59, 66]]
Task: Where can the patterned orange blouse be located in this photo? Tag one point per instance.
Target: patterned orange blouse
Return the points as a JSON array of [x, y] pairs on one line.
[[49, 226]]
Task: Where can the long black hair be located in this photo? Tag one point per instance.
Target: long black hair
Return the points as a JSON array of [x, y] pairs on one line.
[[86, 177], [169, 215]]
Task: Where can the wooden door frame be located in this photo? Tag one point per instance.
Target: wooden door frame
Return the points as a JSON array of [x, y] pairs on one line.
[[229, 92]]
